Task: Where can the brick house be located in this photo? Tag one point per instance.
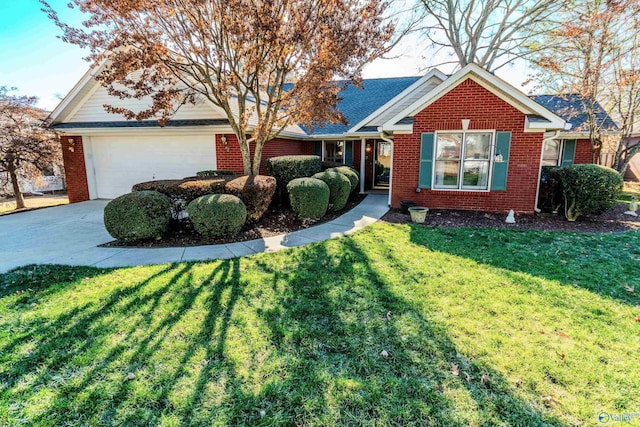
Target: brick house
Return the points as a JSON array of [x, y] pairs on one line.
[[465, 141]]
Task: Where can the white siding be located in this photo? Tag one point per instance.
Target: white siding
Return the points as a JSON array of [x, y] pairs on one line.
[[91, 109], [403, 103]]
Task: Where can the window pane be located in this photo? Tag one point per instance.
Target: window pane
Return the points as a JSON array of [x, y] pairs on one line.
[[476, 174], [551, 153], [447, 173], [478, 146], [448, 146], [334, 151]]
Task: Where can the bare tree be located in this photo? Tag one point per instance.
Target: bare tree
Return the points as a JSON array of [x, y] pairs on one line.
[[490, 33], [596, 54], [238, 54], [26, 145]]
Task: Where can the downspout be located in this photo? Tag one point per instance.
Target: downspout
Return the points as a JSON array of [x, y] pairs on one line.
[[551, 138], [390, 141]]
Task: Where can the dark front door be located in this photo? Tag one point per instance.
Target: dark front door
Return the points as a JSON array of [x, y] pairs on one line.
[[368, 164]]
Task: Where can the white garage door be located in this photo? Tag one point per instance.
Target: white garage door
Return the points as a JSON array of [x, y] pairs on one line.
[[122, 161]]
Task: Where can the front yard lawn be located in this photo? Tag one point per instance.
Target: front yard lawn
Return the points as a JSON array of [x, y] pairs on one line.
[[396, 325]]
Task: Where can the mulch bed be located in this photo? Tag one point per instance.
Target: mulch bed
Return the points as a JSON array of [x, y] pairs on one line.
[[613, 221], [278, 220]]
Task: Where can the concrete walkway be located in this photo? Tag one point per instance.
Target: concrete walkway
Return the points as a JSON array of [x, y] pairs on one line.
[[71, 234]]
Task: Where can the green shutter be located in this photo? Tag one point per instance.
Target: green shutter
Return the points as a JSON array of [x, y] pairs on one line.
[[568, 153], [317, 148], [500, 169], [426, 160], [348, 153]]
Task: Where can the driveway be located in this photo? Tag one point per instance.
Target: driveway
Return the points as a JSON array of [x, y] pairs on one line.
[[71, 234]]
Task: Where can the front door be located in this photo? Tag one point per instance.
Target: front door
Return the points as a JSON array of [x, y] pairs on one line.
[[382, 164]]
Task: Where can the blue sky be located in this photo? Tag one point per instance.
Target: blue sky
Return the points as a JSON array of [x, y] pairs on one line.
[[32, 58], [38, 63]]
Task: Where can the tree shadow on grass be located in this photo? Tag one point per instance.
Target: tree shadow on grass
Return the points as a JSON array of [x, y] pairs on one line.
[[606, 264], [335, 317]]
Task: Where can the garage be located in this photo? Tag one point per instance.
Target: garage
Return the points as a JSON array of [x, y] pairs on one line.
[[116, 163]]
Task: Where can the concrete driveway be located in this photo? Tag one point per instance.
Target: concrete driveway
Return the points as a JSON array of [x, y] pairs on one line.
[[70, 235]]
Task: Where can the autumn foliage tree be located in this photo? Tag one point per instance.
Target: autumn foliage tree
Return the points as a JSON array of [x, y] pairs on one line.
[[237, 54], [26, 145], [596, 54]]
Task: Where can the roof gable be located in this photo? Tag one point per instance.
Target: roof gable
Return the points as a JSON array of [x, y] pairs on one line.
[[493, 84]]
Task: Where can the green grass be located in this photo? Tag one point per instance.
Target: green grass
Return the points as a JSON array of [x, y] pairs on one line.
[[295, 338]]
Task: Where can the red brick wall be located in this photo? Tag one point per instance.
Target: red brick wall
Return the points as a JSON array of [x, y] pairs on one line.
[[229, 156], [471, 101], [583, 152], [74, 168]]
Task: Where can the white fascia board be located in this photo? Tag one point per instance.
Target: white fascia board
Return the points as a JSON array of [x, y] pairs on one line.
[[487, 80], [542, 126], [173, 130], [433, 73], [398, 128], [86, 79], [583, 135]]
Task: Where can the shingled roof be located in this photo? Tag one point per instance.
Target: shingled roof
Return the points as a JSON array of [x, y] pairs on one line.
[[572, 109], [358, 103]]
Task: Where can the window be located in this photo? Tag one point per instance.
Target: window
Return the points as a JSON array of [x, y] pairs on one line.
[[463, 160], [334, 151], [551, 154]]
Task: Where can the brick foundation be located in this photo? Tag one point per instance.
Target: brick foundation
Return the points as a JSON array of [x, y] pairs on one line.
[[74, 168], [486, 111]]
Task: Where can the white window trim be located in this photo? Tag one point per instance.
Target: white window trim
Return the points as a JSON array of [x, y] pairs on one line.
[[560, 154], [344, 148], [492, 149]]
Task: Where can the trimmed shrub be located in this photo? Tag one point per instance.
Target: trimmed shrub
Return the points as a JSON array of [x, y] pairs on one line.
[[216, 173], [138, 215], [589, 189], [255, 191], [339, 188], [309, 197], [183, 191], [287, 168], [351, 174], [217, 215]]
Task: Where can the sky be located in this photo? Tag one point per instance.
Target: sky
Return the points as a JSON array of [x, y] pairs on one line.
[[35, 61]]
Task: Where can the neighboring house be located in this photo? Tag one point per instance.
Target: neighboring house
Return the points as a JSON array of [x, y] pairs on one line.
[[633, 171], [465, 141], [48, 180]]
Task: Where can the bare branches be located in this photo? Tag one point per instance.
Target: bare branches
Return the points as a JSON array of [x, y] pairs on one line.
[[490, 33], [25, 143], [596, 54]]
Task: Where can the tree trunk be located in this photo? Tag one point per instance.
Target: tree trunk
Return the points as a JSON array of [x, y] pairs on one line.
[[16, 187], [257, 158]]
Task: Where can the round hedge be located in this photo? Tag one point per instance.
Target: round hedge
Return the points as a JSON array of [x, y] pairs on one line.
[[589, 189], [217, 215], [255, 192], [138, 215], [351, 174], [309, 197], [339, 188]]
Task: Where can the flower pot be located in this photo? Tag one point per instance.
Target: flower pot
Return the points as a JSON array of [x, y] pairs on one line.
[[418, 214]]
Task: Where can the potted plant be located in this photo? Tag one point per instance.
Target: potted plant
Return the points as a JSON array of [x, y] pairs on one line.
[[418, 214]]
